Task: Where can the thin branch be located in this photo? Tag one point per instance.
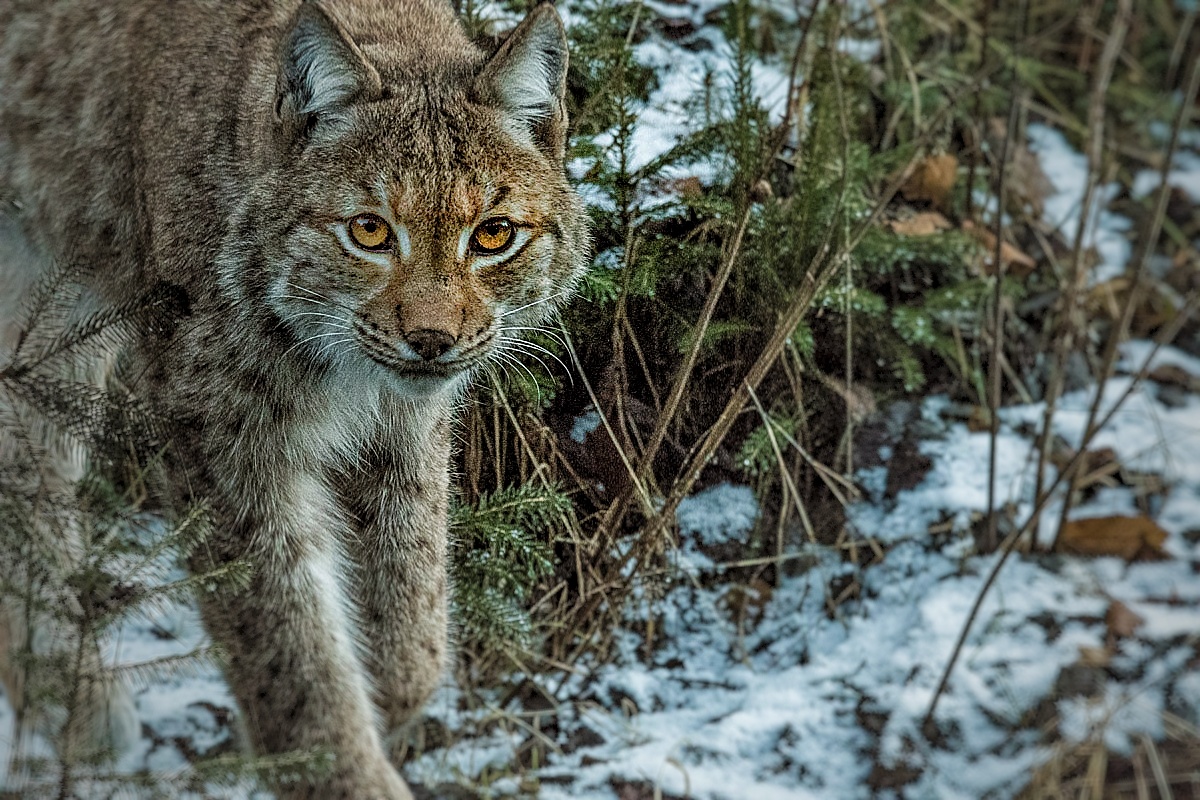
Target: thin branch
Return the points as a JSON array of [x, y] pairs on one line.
[[1077, 279], [1149, 243], [994, 367], [1010, 542]]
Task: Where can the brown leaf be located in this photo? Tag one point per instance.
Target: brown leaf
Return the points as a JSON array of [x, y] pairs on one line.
[[761, 192], [1061, 454], [689, 188], [1095, 657], [931, 179], [1102, 467], [1132, 538], [1016, 261], [748, 602], [1027, 185], [1158, 305], [1175, 375], [980, 420], [1121, 621], [925, 223]]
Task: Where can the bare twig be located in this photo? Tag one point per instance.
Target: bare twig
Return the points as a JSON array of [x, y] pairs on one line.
[[789, 484], [819, 271], [1077, 279], [1148, 244], [1010, 542], [994, 365], [614, 515], [1096, 422], [639, 488]]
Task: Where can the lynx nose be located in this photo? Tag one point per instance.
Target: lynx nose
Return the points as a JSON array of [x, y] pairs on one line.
[[429, 343]]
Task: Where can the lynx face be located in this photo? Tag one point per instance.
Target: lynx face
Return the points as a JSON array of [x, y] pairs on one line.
[[433, 226]]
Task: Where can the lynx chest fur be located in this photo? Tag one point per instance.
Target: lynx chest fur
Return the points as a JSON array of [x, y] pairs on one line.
[[361, 208]]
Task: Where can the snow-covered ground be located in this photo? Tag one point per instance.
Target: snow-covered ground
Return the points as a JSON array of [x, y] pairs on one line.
[[759, 692]]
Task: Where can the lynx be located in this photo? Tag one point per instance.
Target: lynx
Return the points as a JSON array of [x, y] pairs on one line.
[[361, 208]]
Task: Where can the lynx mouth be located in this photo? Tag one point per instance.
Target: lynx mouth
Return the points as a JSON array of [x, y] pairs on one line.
[[382, 353]]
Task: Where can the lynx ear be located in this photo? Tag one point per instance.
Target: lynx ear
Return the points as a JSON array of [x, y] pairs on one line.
[[527, 79], [321, 69]]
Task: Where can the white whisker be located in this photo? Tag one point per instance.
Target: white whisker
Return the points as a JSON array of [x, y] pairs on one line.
[[320, 303], [535, 358], [312, 292], [311, 338], [519, 343], [302, 299], [549, 334], [327, 346], [517, 363], [534, 303], [500, 364], [345, 324]]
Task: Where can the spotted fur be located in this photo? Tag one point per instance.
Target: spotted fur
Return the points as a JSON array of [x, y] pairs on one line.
[[221, 146]]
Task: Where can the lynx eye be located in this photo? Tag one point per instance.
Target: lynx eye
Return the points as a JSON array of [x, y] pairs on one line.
[[370, 232], [492, 236]]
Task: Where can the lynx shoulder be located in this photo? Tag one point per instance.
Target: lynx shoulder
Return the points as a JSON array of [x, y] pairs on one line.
[[362, 209]]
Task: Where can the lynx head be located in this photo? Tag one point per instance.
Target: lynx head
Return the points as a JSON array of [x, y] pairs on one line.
[[418, 221]]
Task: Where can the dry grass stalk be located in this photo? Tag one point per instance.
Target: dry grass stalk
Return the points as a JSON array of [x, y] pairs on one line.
[[1073, 325], [820, 270], [1009, 544], [997, 351], [1133, 300], [789, 484]]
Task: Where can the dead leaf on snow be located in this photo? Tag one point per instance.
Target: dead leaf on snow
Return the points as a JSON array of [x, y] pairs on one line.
[[980, 419], [926, 223], [1061, 455], [1175, 375], [932, 179], [1093, 657], [1016, 262], [748, 602], [1027, 185], [1121, 621], [1132, 538], [1157, 305]]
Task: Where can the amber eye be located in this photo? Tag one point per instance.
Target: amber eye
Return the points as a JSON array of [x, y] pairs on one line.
[[370, 232], [492, 236]]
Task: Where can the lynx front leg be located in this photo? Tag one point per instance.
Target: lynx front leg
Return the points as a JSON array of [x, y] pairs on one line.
[[398, 498], [290, 641]]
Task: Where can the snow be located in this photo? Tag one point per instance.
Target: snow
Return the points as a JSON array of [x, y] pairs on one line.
[[584, 424], [787, 701], [1136, 353], [783, 699], [1184, 174], [670, 113], [718, 515], [1067, 170]]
